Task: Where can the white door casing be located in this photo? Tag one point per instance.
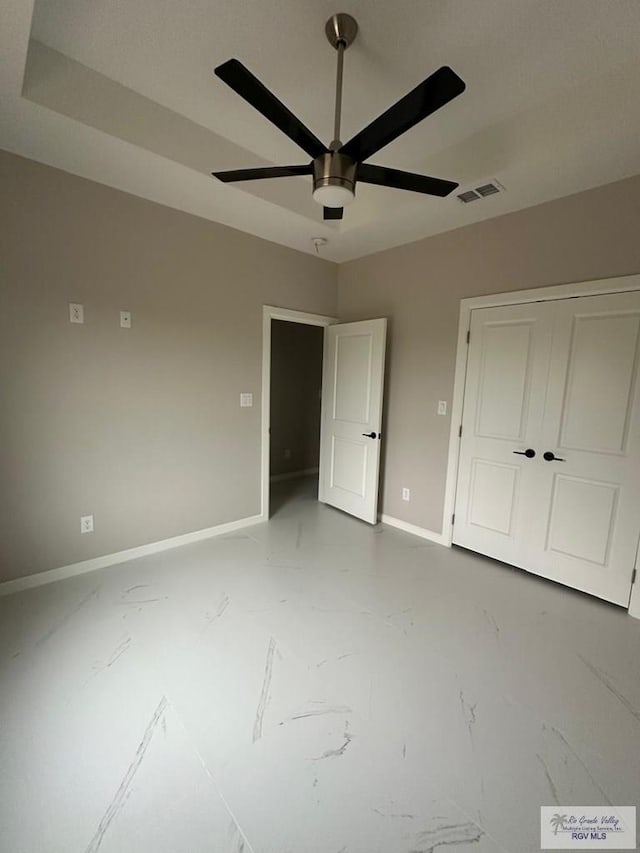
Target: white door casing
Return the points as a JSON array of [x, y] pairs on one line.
[[270, 313], [560, 378], [352, 387]]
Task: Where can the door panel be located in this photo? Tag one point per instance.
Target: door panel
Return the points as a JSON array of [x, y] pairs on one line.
[[504, 382], [600, 378], [351, 413], [493, 495], [353, 366], [348, 465], [584, 534]]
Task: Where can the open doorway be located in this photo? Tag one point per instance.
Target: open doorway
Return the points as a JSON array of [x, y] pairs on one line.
[[296, 392], [291, 393], [348, 421]]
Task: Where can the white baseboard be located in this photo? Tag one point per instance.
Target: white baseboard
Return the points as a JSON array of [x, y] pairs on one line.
[[291, 475], [52, 575], [422, 532]]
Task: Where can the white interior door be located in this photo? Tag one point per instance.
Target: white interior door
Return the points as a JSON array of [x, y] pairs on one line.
[[353, 376], [587, 535], [558, 379], [507, 370]]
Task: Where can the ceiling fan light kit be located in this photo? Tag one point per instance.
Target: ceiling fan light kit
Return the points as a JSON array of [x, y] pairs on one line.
[[334, 179], [336, 169]]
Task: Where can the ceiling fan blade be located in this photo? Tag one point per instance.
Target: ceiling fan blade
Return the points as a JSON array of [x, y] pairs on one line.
[[242, 81], [404, 180], [333, 213], [434, 92], [262, 172]]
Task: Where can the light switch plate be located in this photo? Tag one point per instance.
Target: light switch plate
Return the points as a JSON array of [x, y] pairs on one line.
[[246, 400], [125, 319], [406, 494], [442, 407], [76, 312]]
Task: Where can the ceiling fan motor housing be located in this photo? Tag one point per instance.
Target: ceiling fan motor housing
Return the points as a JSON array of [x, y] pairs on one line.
[[334, 170]]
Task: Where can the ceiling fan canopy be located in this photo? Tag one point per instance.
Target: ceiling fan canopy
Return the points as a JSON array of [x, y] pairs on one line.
[[336, 168]]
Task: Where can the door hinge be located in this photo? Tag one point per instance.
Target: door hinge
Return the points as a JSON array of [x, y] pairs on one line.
[[453, 518], [633, 576], [460, 431], [468, 335]]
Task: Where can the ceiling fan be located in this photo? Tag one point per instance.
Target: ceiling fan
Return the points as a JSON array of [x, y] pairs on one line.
[[336, 169]]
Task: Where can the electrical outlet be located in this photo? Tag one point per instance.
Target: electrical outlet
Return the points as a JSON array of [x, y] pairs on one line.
[[406, 494], [442, 407], [76, 312], [246, 400], [287, 454], [125, 319], [86, 524]]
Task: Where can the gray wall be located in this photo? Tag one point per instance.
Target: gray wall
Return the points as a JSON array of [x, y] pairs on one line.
[[419, 286], [296, 381], [140, 427]]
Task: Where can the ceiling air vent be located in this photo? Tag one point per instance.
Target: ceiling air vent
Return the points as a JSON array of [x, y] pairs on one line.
[[470, 195], [487, 189], [484, 190]]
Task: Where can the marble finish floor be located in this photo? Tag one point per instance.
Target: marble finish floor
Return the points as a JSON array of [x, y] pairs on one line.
[[310, 685]]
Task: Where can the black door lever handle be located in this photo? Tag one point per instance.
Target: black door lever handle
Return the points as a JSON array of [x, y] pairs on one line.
[[549, 456], [529, 452], [370, 434]]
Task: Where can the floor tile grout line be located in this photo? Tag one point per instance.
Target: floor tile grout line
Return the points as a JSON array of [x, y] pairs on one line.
[[215, 784]]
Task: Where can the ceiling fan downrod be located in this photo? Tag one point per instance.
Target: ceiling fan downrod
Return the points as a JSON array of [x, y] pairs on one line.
[[336, 143], [341, 30], [334, 173]]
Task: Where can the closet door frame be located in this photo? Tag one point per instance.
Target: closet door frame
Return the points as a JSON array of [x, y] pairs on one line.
[[621, 284]]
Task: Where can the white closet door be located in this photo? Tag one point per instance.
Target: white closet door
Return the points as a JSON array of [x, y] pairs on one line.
[[559, 378], [587, 534], [507, 370], [353, 375]]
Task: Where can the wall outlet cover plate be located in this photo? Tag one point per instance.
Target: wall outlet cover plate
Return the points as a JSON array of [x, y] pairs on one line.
[[86, 524], [76, 312]]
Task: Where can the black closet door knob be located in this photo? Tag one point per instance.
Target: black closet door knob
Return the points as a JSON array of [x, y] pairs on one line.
[[549, 456], [370, 434], [529, 452]]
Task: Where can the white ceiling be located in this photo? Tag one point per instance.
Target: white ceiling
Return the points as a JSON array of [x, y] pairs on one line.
[[122, 92]]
